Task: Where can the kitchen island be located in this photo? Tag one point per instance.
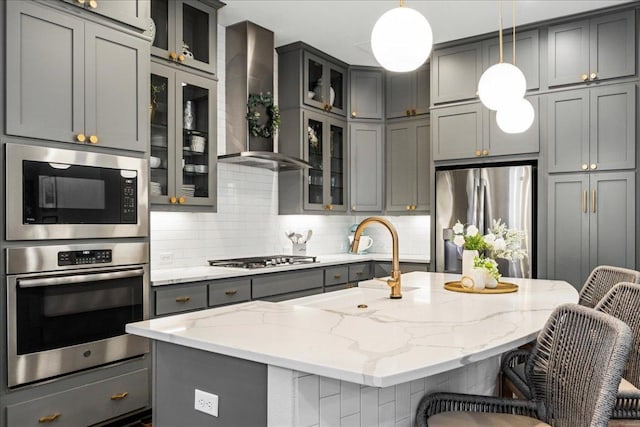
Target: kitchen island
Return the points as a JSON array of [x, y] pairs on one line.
[[351, 357]]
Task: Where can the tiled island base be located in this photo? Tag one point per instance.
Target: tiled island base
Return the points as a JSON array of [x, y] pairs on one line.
[[304, 400]]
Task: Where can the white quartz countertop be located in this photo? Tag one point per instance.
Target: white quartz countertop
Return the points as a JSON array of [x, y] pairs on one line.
[[171, 276], [429, 331]]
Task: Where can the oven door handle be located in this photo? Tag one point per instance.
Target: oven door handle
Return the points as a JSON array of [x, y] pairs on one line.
[[67, 280]]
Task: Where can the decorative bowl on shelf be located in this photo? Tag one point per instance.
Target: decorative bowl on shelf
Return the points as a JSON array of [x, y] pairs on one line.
[[154, 162]]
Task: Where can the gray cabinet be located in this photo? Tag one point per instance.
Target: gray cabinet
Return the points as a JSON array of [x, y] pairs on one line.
[[527, 55], [592, 128], [384, 268], [455, 72], [468, 131], [178, 299], [131, 12], [334, 276], [323, 187], [592, 49], [186, 172], [408, 94], [74, 81], [85, 405], [287, 285], [360, 271], [408, 163], [186, 32], [365, 167], [365, 93], [231, 291], [591, 222]]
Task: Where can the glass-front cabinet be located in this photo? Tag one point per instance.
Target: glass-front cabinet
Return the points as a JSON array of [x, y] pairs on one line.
[[325, 149], [183, 139], [185, 32], [325, 85]]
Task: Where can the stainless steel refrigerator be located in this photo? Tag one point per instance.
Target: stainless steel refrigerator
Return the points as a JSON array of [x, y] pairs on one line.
[[478, 196]]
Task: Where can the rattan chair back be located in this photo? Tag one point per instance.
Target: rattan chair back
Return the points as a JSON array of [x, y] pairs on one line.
[[603, 278]]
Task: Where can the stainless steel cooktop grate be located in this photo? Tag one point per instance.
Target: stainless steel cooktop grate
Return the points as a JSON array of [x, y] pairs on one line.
[[264, 261]]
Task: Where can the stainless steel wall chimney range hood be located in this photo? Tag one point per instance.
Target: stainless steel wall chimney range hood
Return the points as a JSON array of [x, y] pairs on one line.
[[249, 70]]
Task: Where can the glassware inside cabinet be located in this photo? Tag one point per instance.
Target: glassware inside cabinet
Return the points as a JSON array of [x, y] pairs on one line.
[[315, 146], [158, 114], [337, 165], [195, 142], [195, 33]]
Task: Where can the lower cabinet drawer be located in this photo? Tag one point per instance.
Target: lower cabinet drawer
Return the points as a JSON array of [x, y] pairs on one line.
[[360, 271], [281, 283], [178, 299], [336, 275], [223, 292], [85, 405]]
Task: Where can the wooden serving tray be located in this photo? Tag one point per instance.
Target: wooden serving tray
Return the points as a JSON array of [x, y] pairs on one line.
[[502, 288]]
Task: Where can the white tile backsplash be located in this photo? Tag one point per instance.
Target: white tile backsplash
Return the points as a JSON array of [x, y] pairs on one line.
[[247, 221]]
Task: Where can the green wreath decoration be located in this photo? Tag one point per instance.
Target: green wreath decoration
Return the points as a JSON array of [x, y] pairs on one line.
[[267, 129]]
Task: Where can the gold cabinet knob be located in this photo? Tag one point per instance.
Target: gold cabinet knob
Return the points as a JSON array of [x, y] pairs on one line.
[[408, 207], [407, 112], [485, 152], [478, 152], [328, 207], [593, 76], [353, 114], [593, 166], [181, 200], [173, 55], [231, 292], [413, 207], [80, 1], [181, 58], [93, 139], [584, 77], [585, 166], [353, 208], [81, 137], [119, 396], [49, 418], [172, 199], [413, 112], [93, 4]]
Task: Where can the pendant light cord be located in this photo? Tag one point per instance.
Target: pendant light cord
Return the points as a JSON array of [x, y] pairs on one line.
[[500, 28]]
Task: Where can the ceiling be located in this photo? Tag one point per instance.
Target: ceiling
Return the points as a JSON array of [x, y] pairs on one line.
[[342, 28]]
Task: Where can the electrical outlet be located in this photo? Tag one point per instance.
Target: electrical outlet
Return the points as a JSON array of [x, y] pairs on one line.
[[206, 402], [166, 258]]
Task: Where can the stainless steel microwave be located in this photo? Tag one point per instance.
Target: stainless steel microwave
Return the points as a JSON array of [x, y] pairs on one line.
[[65, 194]]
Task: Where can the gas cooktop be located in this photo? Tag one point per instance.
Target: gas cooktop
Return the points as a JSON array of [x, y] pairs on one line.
[[261, 262]]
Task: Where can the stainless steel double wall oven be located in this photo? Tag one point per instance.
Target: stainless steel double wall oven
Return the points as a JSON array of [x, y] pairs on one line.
[[68, 301]]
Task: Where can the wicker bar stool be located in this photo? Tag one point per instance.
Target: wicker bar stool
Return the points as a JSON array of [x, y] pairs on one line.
[[623, 302], [599, 282], [574, 370]]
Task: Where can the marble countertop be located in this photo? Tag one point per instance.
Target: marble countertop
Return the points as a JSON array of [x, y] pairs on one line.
[[161, 277], [429, 331]]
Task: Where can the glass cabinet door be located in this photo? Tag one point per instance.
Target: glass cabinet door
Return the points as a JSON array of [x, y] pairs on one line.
[[160, 110], [315, 175], [337, 158], [196, 148], [162, 15], [337, 96], [315, 90]]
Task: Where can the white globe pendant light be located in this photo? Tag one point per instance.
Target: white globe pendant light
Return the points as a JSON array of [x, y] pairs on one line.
[[500, 85], [516, 117], [401, 39]]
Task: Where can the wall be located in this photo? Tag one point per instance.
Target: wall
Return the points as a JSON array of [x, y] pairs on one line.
[[247, 222]]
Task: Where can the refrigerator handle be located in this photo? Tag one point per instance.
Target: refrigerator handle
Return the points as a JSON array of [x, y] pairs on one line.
[[475, 199], [480, 212]]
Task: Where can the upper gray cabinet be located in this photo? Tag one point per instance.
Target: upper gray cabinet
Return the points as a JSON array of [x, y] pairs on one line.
[[466, 131], [408, 94], [365, 93], [527, 55], [74, 81], [323, 79], [591, 129], [595, 49], [186, 32], [365, 166], [408, 163], [132, 12], [455, 73]]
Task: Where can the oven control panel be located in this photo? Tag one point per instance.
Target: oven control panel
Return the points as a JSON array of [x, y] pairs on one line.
[[98, 256]]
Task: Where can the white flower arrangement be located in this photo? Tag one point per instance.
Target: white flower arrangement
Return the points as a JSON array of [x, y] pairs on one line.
[[504, 242], [470, 240]]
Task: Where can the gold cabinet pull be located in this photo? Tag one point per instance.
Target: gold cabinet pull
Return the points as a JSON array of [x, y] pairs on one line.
[[49, 418], [231, 292], [584, 201], [119, 396], [181, 58], [181, 200], [172, 199], [93, 4], [93, 139], [173, 55], [478, 152], [593, 166], [81, 137], [584, 77], [593, 201], [593, 76], [413, 112], [353, 208], [337, 276], [585, 166], [183, 299], [80, 1], [328, 207], [359, 273], [408, 207], [485, 152], [353, 114], [407, 112]]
